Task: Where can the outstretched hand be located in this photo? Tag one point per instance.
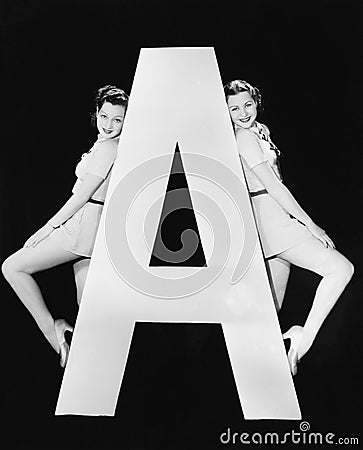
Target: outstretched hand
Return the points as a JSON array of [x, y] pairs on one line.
[[320, 234], [39, 236]]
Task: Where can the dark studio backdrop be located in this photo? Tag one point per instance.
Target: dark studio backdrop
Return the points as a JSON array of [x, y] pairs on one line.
[[178, 391]]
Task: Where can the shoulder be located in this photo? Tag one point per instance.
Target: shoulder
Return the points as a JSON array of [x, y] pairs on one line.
[[249, 147], [107, 147], [246, 137]]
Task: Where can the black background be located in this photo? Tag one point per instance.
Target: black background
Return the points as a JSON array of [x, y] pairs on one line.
[[178, 391]]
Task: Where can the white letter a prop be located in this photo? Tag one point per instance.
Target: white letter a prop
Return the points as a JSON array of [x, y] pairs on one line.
[[177, 108]]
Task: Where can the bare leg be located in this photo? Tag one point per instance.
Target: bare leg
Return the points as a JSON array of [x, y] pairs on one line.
[[80, 274], [17, 270], [280, 271], [336, 271]]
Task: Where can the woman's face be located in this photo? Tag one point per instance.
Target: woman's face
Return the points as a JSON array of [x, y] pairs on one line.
[[110, 119], [242, 109]]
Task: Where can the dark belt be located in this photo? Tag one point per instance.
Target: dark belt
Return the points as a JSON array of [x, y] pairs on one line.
[[254, 194], [96, 202]]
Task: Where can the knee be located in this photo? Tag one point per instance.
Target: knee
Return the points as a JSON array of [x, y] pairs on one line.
[[346, 270], [350, 270], [8, 268], [13, 265]]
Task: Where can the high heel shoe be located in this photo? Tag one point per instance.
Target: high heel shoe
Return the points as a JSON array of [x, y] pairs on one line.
[[61, 326], [294, 334]]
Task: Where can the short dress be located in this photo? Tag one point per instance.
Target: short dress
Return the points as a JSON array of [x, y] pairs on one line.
[[278, 230], [78, 233]]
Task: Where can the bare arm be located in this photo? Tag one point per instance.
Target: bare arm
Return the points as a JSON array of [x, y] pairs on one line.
[[89, 185], [280, 192], [248, 147], [97, 171]]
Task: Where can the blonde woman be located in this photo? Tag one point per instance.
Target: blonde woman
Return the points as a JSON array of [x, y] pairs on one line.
[[287, 232]]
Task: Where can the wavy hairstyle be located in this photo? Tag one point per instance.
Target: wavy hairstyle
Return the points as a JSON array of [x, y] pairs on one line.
[[110, 94], [236, 86]]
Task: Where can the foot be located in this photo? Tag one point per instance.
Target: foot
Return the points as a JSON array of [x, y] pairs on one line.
[[294, 334], [61, 326]]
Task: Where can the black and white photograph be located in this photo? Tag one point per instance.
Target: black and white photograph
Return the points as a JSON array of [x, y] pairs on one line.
[[105, 345]]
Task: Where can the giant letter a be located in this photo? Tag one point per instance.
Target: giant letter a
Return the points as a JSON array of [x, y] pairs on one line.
[[177, 102]]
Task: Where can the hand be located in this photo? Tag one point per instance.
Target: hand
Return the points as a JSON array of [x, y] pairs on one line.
[[320, 234], [39, 236]]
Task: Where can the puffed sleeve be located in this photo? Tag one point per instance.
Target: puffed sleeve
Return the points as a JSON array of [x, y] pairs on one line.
[[103, 159], [249, 148]]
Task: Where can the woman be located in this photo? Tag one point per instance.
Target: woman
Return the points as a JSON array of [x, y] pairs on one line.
[[287, 233], [71, 232]]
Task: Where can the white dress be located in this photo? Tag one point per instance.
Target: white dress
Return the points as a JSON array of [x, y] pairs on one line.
[[277, 229], [78, 233]]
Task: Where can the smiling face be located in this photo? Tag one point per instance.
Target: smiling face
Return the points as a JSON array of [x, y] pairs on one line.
[[242, 109], [110, 119]]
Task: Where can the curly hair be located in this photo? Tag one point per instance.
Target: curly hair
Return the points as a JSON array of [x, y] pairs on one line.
[[110, 94], [236, 86]]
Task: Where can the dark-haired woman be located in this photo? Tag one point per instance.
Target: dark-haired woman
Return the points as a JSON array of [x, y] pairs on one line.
[[71, 232], [287, 233]]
